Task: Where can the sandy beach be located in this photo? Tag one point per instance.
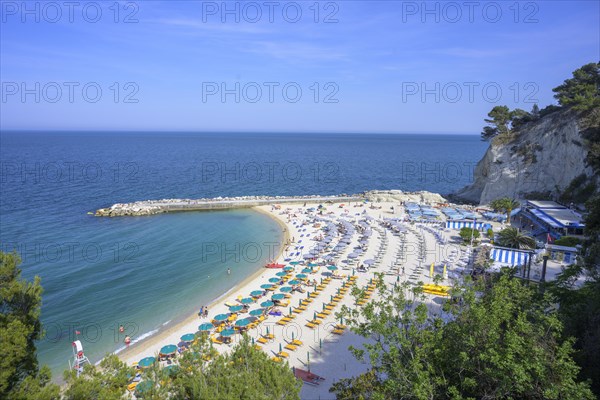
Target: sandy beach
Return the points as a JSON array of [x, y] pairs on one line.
[[359, 233]]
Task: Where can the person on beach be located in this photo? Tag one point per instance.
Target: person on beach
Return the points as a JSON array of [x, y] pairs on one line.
[[121, 329], [127, 340], [228, 271], [201, 312], [205, 312]]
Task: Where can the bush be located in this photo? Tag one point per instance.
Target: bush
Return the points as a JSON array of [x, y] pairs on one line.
[[569, 241]]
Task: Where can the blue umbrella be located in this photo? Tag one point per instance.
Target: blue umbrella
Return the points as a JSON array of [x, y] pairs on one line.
[[281, 273], [242, 322], [266, 286], [295, 262], [286, 289], [146, 362], [227, 332], [307, 270], [294, 282], [205, 327], [247, 300], [332, 268], [287, 269], [274, 280], [256, 293], [188, 337], [301, 276], [278, 296], [327, 273], [266, 304], [168, 349], [257, 312], [312, 264], [236, 308], [221, 317]]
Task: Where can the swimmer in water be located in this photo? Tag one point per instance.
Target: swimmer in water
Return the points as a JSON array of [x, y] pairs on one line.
[[228, 271]]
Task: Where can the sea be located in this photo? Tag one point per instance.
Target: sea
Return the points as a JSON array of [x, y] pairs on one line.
[[146, 273]]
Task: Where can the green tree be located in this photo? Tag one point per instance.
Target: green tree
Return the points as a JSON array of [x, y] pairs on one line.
[[498, 122], [467, 233], [500, 342], [515, 239], [505, 205], [20, 327], [108, 381], [582, 91]]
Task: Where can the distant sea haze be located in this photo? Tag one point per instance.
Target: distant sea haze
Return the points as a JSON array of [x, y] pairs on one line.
[[99, 273]]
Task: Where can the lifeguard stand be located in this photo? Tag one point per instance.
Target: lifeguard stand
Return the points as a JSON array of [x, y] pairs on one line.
[[79, 358]]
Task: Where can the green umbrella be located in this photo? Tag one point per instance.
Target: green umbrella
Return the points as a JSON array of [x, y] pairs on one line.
[[267, 303], [168, 349], [146, 362], [188, 337], [236, 308], [205, 327]]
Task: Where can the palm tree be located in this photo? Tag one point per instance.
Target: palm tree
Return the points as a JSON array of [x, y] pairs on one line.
[[514, 239], [505, 205]]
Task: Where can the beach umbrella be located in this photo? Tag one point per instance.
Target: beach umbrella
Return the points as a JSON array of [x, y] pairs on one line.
[[235, 309], [227, 332], [267, 303], [294, 282], [312, 264], [286, 289], [274, 280], [242, 322], [295, 262], [278, 296], [256, 293], [247, 300], [146, 362], [352, 255], [170, 370], [301, 276], [369, 261], [205, 327], [281, 273], [266, 286], [143, 387], [332, 267], [288, 269], [258, 311], [221, 317], [326, 273], [188, 337], [168, 349], [307, 270], [431, 270]]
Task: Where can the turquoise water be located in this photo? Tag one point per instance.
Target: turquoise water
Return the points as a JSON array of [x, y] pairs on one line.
[[99, 273]]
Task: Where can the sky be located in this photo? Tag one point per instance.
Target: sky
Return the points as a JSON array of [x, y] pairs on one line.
[[284, 66]]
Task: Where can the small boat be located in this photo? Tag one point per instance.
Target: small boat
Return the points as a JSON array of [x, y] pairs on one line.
[[274, 265]]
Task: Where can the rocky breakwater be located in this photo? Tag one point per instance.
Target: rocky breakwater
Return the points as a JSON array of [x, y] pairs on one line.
[[152, 207]]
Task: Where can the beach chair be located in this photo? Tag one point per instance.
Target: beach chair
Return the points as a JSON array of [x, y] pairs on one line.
[[291, 347], [338, 331], [263, 340], [310, 325], [321, 315], [283, 354], [307, 377], [277, 359], [296, 342], [325, 312]]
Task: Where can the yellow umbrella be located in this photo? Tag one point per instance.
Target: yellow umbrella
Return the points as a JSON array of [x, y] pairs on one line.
[[431, 271], [444, 273]]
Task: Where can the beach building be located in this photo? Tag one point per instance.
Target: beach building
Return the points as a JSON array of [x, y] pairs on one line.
[[553, 218]]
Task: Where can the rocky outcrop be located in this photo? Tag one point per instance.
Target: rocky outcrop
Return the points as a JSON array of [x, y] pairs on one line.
[[544, 156], [422, 197]]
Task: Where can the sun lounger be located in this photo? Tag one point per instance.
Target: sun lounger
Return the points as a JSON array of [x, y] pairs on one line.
[[296, 342], [283, 354], [310, 325], [262, 340], [291, 347], [338, 331], [277, 359]]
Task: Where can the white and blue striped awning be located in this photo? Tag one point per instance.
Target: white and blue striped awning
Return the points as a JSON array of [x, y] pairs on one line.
[[465, 224], [510, 256]]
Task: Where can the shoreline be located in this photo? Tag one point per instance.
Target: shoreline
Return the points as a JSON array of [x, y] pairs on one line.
[[160, 336]]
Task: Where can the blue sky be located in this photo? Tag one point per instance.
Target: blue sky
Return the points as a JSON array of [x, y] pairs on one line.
[[376, 66]]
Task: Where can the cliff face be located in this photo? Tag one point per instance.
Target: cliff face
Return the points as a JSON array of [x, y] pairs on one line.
[[544, 157]]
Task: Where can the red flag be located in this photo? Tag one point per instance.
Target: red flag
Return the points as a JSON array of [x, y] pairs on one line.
[[77, 333], [548, 238]]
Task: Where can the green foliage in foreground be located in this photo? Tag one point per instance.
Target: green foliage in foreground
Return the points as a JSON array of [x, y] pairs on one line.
[[466, 234], [244, 373], [20, 327], [500, 342]]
